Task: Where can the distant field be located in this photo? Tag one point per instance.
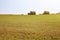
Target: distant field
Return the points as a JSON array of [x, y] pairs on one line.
[[30, 27]]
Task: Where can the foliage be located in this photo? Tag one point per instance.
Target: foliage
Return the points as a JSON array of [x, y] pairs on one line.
[[32, 13], [46, 12]]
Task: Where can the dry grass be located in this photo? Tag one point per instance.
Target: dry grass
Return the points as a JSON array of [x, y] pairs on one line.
[[41, 27]]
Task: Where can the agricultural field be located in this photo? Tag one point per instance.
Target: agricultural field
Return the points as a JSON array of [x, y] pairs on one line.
[[30, 27]]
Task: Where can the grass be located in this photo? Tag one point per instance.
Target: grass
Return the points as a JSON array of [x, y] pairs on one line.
[[30, 27]]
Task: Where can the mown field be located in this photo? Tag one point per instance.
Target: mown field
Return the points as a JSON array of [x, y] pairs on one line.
[[30, 27]]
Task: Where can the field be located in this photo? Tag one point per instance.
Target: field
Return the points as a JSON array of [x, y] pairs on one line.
[[30, 27]]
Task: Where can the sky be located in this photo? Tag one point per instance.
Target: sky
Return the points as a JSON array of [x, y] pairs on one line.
[[25, 6]]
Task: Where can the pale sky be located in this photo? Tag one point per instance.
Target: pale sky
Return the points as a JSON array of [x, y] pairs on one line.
[[24, 6]]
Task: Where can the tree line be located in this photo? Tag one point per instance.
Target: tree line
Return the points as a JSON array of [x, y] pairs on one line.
[[44, 13], [34, 13]]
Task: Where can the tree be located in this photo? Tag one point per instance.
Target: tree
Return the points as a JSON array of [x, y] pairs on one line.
[[46, 12], [32, 13]]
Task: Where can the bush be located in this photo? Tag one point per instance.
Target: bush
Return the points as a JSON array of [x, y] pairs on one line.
[[46, 12], [32, 13]]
